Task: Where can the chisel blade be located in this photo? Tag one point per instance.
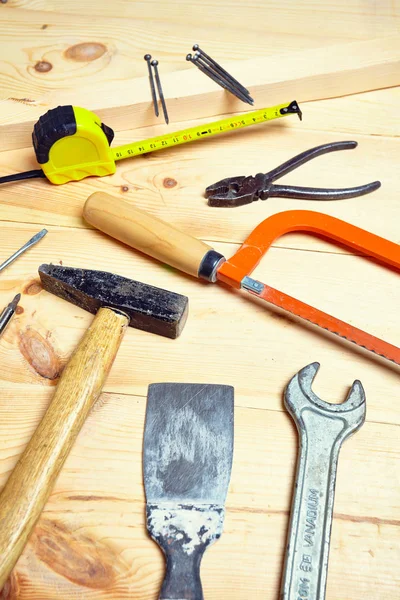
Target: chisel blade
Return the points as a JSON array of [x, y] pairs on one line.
[[187, 460]]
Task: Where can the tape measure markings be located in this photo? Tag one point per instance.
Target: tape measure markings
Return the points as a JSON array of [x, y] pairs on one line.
[[198, 132]]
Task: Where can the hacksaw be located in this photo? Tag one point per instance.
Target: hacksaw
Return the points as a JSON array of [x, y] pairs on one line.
[[160, 240]]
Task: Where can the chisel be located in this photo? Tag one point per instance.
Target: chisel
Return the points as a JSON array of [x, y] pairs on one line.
[[187, 461], [160, 240]]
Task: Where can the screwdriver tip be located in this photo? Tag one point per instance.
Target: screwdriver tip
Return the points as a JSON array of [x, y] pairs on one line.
[[37, 237], [14, 303]]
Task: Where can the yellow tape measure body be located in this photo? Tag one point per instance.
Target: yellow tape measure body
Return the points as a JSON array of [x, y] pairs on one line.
[[71, 143]]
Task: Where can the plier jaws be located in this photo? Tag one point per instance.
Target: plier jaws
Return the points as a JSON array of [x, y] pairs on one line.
[[241, 190]]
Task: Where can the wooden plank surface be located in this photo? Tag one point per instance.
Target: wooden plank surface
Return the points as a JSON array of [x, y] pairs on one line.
[[91, 541], [171, 183], [304, 75], [231, 29]]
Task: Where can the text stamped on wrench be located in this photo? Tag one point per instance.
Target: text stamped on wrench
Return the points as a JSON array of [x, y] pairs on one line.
[[322, 428]]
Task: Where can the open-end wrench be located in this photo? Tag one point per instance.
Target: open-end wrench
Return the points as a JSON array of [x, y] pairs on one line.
[[322, 428]]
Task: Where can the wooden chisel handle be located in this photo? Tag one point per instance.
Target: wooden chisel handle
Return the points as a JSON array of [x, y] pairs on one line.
[[30, 484], [150, 235]]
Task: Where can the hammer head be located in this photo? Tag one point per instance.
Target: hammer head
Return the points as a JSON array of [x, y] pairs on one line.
[[148, 308]]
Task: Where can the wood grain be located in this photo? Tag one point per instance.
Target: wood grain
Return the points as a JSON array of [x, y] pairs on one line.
[[229, 332], [72, 550], [303, 76], [347, 20], [30, 483], [141, 231], [170, 184], [129, 30], [91, 541]]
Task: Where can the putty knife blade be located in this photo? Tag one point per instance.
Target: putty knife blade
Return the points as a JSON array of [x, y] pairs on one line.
[[187, 460]]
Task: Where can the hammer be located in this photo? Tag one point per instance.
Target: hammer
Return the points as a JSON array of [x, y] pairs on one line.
[[117, 302]]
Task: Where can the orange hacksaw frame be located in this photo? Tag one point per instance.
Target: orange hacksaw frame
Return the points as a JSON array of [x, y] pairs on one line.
[[235, 271]]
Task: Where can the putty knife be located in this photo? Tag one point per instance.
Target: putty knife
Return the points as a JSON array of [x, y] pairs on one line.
[[187, 460]]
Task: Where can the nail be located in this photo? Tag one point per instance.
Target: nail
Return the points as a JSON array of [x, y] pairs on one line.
[[147, 58], [245, 97], [217, 67], [212, 75], [154, 64]]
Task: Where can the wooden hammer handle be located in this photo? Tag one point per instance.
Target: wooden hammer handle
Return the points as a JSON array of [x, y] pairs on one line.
[[146, 233], [30, 484]]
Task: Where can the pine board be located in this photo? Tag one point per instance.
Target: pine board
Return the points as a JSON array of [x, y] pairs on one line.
[[171, 183], [304, 75], [91, 541], [100, 491]]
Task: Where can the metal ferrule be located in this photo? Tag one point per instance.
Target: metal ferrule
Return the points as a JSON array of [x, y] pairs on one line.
[[210, 265]]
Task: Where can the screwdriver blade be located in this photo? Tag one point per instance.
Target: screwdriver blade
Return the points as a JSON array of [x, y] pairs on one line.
[[14, 303], [34, 240], [8, 313]]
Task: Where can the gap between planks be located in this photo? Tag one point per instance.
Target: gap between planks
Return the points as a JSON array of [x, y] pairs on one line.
[[207, 240]]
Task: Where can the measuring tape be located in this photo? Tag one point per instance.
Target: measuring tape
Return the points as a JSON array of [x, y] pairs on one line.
[[72, 143], [203, 131]]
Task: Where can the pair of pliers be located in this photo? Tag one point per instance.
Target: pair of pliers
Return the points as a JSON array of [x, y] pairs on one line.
[[238, 191]]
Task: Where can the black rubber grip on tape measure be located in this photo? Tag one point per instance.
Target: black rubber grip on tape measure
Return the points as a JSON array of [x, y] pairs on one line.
[[55, 124], [109, 133]]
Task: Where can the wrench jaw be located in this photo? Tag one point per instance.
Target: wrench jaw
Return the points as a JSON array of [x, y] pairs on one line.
[[299, 397], [356, 404], [298, 391]]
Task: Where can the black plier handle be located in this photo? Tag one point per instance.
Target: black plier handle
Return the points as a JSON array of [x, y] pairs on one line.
[[237, 191]]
